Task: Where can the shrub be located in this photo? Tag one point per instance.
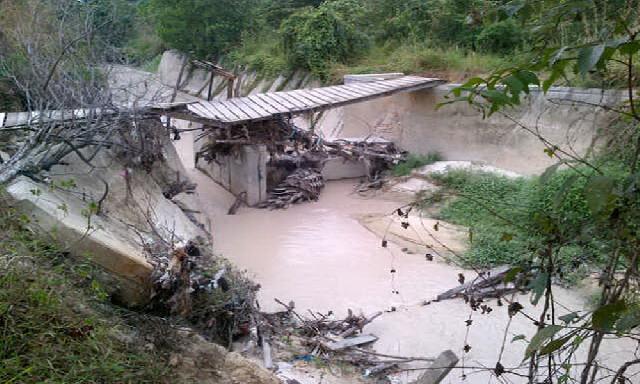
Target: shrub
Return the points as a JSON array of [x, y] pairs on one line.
[[313, 38], [200, 27], [502, 37], [508, 217], [415, 161]]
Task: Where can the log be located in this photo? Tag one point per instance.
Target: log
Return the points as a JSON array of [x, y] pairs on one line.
[[439, 369], [491, 280], [350, 342]]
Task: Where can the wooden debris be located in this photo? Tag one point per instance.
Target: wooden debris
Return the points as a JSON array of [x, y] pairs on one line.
[[489, 284], [240, 199], [349, 342], [302, 185], [439, 369]]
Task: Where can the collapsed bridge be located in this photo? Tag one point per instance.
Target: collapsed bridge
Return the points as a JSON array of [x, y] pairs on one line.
[[251, 145]]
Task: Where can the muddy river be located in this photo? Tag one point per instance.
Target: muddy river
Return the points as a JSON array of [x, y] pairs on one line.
[[321, 257]]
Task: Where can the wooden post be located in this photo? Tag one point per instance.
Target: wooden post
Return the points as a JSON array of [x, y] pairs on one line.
[[230, 88], [439, 369], [210, 86]]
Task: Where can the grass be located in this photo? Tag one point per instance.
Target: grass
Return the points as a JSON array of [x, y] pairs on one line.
[[508, 218], [53, 324], [455, 64], [415, 161], [264, 55]]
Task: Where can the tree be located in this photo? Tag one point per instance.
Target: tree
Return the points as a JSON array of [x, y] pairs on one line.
[[58, 69], [205, 29], [315, 37]]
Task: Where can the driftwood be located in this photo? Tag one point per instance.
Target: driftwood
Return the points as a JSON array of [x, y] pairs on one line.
[[439, 369], [489, 284], [240, 199], [332, 340], [302, 185]]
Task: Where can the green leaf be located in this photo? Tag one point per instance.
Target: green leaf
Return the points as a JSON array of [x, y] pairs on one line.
[[588, 57], [554, 345], [628, 321], [511, 274], [514, 85], [540, 338], [518, 337], [630, 48], [569, 317], [562, 193], [538, 286], [599, 194], [605, 317]]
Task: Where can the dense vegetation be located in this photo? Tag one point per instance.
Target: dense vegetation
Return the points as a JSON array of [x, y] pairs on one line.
[[275, 36], [507, 217]]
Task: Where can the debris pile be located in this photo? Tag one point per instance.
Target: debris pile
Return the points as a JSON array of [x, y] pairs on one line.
[[190, 282], [322, 337], [304, 184]]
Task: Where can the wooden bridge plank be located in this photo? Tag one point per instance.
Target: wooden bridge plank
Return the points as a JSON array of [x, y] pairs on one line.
[[337, 94], [344, 90], [356, 90], [319, 95], [223, 108], [306, 94], [246, 103], [253, 115], [331, 99], [286, 103], [212, 110], [242, 115], [276, 103], [263, 104], [337, 98], [200, 110], [301, 104]]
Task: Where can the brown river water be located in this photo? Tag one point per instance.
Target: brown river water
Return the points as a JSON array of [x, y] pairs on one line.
[[321, 257]]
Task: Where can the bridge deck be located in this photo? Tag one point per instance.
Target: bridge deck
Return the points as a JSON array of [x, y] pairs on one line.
[[267, 106], [259, 107]]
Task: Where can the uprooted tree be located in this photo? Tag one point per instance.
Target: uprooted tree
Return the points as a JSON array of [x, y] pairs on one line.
[[53, 55]]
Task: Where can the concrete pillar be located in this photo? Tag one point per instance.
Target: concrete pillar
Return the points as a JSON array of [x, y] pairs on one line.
[[254, 174]]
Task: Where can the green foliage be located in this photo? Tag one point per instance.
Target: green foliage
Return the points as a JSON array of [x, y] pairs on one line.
[[415, 161], [502, 37], [509, 218], [313, 38], [199, 27]]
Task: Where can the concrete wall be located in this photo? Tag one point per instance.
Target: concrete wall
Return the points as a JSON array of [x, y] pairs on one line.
[[243, 172], [459, 132]]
